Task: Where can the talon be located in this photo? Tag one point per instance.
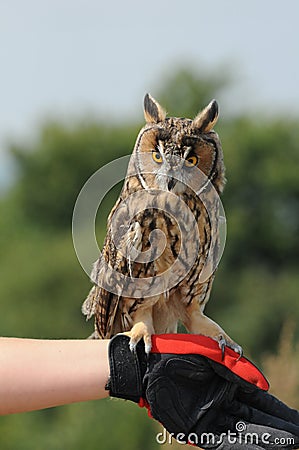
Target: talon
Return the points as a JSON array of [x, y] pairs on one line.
[[132, 346], [136, 334], [240, 351], [222, 344], [236, 348], [147, 347]]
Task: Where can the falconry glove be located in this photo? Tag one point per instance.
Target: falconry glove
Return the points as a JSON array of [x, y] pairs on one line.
[[200, 398]]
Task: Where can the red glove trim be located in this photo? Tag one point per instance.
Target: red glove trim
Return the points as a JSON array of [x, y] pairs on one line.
[[144, 404], [198, 344]]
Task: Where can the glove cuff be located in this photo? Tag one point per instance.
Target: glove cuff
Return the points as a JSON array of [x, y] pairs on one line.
[[126, 369]]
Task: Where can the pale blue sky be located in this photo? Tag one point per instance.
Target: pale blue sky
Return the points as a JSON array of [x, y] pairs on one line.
[[68, 57]]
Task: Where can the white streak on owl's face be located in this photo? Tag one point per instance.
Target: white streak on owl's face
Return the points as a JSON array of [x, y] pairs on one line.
[[172, 174], [169, 155]]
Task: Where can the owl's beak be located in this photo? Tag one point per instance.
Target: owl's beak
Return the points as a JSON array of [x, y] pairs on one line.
[[171, 183]]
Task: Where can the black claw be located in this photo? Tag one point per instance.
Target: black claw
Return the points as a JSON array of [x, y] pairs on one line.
[[222, 344], [240, 351], [222, 352]]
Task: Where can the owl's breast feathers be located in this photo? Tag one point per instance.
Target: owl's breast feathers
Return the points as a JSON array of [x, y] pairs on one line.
[[138, 250]]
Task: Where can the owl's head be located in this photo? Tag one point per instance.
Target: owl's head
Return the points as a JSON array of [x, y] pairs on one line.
[[168, 150]]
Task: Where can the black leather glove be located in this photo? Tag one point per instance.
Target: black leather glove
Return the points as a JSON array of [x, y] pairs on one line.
[[200, 398]]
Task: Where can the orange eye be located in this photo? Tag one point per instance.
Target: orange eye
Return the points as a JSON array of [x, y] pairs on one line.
[[191, 161], [157, 157]]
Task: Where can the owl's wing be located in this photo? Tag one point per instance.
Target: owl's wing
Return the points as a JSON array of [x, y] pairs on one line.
[[103, 303]]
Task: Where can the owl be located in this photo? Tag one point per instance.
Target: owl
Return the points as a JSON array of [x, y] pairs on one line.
[[162, 246]]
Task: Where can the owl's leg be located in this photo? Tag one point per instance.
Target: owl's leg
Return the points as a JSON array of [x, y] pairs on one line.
[[197, 323], [142, 329]]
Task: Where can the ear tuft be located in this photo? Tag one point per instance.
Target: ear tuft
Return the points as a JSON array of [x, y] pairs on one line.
[[153, 112], [206, 119]]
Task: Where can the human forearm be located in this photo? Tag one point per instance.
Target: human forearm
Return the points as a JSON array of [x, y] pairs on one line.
[[36, 374]]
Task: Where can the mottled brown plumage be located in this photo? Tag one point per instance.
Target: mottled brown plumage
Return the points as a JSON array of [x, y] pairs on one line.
[[145, 283]]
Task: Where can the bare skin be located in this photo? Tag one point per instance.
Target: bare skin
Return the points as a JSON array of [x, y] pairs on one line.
[[37, 374]]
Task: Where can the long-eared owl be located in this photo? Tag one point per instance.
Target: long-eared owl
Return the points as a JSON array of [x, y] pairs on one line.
[[162, 245]]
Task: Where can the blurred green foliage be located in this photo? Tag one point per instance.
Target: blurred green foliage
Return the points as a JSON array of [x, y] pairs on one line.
[[54, 168], [42, 284], [185, 91]]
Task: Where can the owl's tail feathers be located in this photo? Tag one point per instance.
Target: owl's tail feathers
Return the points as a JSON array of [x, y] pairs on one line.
[[89, 310], [89, 305]]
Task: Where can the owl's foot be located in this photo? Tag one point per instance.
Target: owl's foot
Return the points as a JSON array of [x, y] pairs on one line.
[[225, 341], [140, 331], [198, 323]]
